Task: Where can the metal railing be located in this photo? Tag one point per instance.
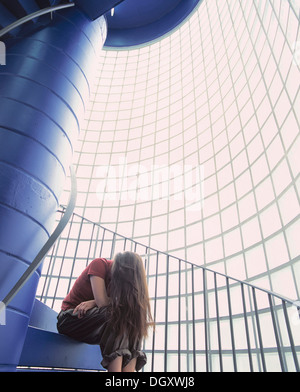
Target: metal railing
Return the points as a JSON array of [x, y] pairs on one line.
[[37, 14], [205, 320]]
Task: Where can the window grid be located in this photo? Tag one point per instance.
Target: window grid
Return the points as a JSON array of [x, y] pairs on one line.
[[184, 298], [227, 78]]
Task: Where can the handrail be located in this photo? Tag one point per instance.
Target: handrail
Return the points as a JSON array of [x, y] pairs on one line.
[[45, 249], [244, 282], [202, 305], [34, 15]]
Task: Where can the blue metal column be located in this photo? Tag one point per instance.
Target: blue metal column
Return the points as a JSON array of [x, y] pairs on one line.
[[43, 90]]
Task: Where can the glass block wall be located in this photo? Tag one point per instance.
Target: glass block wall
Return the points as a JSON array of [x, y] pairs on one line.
[[190, 146], [191, 143]]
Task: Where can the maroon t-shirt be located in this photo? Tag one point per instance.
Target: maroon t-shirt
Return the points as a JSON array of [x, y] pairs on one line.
[[82, 289]]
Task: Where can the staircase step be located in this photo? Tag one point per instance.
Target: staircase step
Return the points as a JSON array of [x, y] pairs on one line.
[[43, 317], [45, 349], [56, 2], [6, 17], [43, 3], [15, 8], [30, 6]]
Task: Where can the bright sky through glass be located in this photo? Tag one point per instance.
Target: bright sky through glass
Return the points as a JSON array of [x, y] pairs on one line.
[[214, 109]]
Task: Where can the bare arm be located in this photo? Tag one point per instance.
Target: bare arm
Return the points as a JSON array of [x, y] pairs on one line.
[[100, 297], [99, 291]]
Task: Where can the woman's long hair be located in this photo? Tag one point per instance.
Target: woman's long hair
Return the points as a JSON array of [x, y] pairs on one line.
[[130, 305]]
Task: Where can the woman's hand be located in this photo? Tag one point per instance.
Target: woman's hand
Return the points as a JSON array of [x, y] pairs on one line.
[[83, 307]]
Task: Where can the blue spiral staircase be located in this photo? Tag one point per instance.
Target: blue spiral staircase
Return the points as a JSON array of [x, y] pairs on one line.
[[14, 10], [50, 48], [60, 353]]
